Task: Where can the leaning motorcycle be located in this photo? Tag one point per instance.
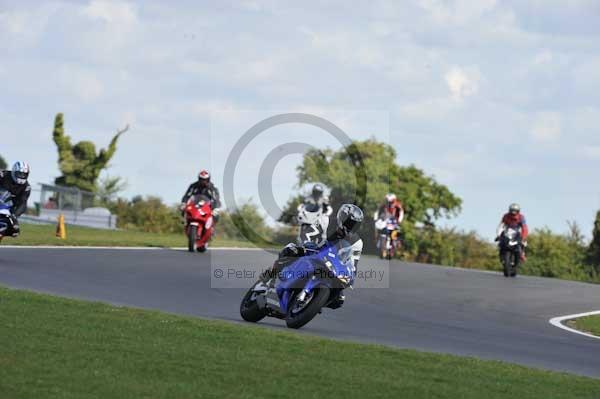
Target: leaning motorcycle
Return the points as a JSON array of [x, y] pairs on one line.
[[5, 215], [198, 223], [388, 242], [309, 220], [510, 246], [302, 288]]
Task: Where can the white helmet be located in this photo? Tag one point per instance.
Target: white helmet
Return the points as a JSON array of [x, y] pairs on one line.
[[20, 172], [390, 197]]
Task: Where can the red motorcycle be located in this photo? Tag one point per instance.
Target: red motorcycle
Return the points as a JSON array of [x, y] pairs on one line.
[[198, 223]]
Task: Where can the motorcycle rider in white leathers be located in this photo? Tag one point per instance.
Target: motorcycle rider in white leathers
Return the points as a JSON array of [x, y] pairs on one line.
[[319, 198]]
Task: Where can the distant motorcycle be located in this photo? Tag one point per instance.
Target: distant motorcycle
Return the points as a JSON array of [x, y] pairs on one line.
[[510, 246], [310, 220], [198, 223], [302, 288], [388, 242]]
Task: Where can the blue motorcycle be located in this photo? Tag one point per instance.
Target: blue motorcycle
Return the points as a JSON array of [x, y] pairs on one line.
[[304, 286], [6, 222]]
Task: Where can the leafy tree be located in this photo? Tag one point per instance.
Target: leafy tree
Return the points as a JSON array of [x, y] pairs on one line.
[[3, 164], [289, 213], [79, 164], [109, 188], [245, 223], [593, 252], [146, 214], [455, 248], [555, 255], [363, 172]]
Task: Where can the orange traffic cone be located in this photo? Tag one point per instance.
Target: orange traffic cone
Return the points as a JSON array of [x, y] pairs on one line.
[[61, 230]]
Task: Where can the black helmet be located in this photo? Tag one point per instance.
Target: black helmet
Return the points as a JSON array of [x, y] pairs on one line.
[[349, 218], [317, 191], [514, 208]]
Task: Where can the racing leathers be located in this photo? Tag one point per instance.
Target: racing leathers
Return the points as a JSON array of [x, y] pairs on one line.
[[208, 190], [14, 196], [515, 221], [394, 210], [326, 211], [518, 222]]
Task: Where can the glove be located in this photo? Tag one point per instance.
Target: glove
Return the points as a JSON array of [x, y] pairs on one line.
[[16, 229], [182, 206], [497, 238], [524, 243], [310, 246], [291, 250]]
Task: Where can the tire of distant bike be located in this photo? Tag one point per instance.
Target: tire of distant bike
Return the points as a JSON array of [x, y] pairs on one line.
[[509, 264], [383, 248]]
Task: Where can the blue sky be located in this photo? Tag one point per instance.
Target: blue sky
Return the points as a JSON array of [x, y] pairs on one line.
[[498, 100]]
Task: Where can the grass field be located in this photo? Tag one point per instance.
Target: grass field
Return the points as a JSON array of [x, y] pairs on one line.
[[60, 348], [589, 324], [33, 234]]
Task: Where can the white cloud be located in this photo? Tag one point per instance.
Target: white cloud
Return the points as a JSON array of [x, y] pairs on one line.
[[24, 27], [437, 108], [591, 152], [81, 82], [543, 57], [115, 13], [458, 11], [546, 127], [206, 108], [110, 32], [462, 82]]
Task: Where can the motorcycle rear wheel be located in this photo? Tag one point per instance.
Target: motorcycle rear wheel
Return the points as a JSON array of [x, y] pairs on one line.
[[249, 309], [300, 318]]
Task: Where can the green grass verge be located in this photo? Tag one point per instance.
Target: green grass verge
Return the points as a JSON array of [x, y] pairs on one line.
[[60, 348], [589, 324], [33, 234]]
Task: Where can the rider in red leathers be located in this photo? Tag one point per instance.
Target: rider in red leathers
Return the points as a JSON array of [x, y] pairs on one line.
[[516, 220]]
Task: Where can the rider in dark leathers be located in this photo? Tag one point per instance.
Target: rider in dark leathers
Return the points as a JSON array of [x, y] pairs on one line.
[[204, 187], [15, 189], [349, 218]]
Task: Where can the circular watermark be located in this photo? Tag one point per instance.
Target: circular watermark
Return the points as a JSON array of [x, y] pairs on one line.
[[267, 169]]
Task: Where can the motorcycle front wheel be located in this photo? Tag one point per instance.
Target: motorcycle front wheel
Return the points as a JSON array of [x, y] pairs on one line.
[[192, 237], [382, 247], [515, 264], [300, 313], [507, 258]]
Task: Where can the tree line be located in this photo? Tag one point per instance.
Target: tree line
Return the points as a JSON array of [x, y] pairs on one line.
[[360, 173]]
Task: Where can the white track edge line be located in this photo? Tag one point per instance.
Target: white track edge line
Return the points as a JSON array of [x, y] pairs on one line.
[[558, 322], [122, 248]]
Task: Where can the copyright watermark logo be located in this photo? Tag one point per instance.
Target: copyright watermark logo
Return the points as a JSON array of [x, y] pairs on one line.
[[244, 276], [268, 160]]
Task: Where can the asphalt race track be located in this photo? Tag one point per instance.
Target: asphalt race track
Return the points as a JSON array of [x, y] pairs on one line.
[[428, 308]]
